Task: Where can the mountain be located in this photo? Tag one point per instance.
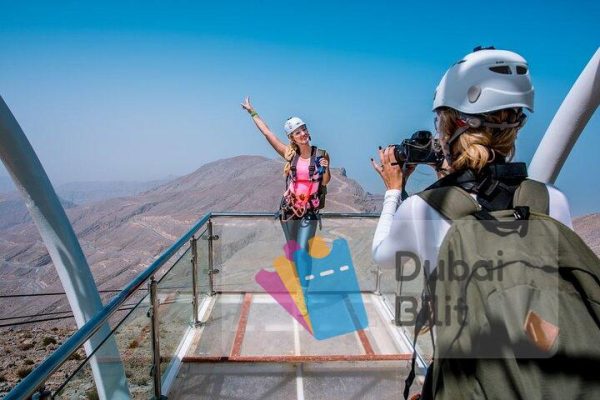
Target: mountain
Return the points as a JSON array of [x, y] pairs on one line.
[[86, 192], [588, 227], [121, 236], [14, 212], [6, 184]]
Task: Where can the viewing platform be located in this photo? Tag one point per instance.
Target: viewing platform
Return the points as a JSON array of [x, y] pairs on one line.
[[202, 327]]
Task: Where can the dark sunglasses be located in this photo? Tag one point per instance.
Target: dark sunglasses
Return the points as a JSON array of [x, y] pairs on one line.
[[300, 130]]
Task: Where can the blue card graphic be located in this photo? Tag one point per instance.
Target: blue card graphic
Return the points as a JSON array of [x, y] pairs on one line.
[[331, 291]]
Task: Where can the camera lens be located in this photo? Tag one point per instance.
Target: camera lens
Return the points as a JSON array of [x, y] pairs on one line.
[[400, 153]]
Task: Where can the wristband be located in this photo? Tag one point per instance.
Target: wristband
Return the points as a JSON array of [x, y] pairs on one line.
[[253, 113]]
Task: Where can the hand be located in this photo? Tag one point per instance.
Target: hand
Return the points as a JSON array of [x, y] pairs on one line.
[[323, 162], [246, 105], [390, 170]]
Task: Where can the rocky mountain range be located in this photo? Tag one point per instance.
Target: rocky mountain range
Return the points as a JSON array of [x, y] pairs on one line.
[[121, 236], [588, 227], [86, 192], [6, 184]]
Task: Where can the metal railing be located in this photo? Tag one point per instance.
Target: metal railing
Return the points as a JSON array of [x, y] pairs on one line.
[[39, 375]]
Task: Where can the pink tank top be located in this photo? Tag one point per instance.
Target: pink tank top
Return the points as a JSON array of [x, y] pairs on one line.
[[303, 187]]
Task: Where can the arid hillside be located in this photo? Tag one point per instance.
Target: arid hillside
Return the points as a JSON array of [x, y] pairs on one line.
[[121, 236]]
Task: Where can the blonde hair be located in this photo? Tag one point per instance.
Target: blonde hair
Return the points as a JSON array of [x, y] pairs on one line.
[[477, 147], [290, 152]]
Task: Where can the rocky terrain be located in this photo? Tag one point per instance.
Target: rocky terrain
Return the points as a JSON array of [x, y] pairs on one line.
[[14, 212], [23, 349], [121, 236], [588, 227], [86, 192], [6, 184]]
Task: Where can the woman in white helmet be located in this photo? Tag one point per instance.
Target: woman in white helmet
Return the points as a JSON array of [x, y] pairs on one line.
[[479, 108], [307, 175]]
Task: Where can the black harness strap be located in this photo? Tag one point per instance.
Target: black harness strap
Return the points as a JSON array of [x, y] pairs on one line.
[[315, 153], [494, 186], [311, 165], [293, 165]]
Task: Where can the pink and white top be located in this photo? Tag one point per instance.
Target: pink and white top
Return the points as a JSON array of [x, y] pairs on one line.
[[302, 187]]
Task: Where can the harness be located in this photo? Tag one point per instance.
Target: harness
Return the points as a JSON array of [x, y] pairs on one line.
[[494, 186], [290, 204], [314, 159]]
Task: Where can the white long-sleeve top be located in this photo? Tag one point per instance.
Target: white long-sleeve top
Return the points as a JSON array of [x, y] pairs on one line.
[[414, 226]]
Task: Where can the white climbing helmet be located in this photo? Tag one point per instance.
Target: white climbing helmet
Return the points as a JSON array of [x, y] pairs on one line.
[[486, 80], [292, 124]]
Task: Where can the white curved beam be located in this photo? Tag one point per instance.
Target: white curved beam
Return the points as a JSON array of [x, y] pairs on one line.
[[57, 233], [568, 123]]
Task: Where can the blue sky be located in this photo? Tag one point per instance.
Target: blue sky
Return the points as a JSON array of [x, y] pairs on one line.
[[143, 90]]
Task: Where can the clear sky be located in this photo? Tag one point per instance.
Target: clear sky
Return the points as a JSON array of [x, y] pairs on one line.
[[143, 90]]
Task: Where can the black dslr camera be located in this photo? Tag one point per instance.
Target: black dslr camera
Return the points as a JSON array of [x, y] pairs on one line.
[[421, 148]]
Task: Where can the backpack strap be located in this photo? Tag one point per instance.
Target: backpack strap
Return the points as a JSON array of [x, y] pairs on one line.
[[315, 153], [532, 194], [293, 165], [494, 186], [450, 201], [423, 319], [312, 162]]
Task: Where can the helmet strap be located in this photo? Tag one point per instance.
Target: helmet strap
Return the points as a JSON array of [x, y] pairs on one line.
[[468, 121], [457, 133], [447, 153]]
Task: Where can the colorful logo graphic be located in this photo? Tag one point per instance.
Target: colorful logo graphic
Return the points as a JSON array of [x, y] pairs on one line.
[[319, 290]]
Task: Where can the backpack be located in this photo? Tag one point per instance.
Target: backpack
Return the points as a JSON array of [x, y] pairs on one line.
[[522, 319], [321, 193]]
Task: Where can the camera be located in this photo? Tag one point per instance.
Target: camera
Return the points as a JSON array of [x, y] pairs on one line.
[[421, 148]]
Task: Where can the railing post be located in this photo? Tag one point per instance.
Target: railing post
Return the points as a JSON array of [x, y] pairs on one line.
[[211, 270], [194, 246], [378, 281], [154, 303], [398, 305]]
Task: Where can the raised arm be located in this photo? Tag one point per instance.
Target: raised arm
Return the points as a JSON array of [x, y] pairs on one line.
[[277, 144]]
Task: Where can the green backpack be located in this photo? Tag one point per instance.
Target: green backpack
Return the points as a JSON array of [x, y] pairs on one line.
[[514, 301]]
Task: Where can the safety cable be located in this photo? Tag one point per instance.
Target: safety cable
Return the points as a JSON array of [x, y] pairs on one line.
[[46, 319], [10, 296]]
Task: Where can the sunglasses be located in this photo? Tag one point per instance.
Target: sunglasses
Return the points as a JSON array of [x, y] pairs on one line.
[[300, 130]]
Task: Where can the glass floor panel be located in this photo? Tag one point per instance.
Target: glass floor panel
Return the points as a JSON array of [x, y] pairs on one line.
[[250, 348], [235, 381], [255, 325], [218, 332], [310, 381], [381, 381]]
